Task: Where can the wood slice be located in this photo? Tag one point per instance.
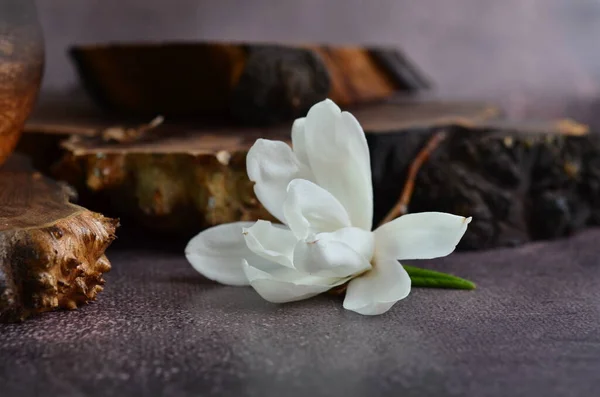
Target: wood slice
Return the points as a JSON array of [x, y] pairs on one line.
[[253, 83], [51, 251], [178, 179], [521, 181], [21, 64]]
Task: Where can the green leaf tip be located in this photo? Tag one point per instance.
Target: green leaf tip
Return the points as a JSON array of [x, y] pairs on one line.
[[423, 278]]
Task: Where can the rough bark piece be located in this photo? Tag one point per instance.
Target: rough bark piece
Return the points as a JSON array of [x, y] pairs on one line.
[[178, 179], [21, 64], [519, 182], [51, 251], [253, 83]]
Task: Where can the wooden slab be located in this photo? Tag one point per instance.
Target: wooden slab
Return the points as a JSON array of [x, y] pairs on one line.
[[178, 179]]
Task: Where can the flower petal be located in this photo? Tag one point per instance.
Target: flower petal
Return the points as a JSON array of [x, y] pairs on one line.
[[376, 291], [218, 253], [299, 140], [361, 241], [272, 242], [309, 208], [339, 158], [272, 165], [288, 285], [423, 235], [333, 255]]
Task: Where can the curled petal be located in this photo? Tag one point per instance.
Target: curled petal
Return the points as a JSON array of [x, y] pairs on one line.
[[288, 285], [361, 241], [299, 140], [309, 208], [218, 253], [272, 165], [376, 291], [338, 155], [333, 255], [423, 235], [272, 242]]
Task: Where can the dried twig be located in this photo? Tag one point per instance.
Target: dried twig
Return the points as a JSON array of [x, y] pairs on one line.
[[401, 206], [125, 135]]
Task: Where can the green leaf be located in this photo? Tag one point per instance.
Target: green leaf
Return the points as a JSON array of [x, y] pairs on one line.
[[423, 278]]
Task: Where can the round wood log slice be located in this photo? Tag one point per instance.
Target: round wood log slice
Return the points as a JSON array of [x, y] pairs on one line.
[[179, 179], [520, 181], [21, 64], [51, 251]]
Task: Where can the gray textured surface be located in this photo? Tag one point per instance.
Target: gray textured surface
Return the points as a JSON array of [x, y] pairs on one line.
[[159, 329]]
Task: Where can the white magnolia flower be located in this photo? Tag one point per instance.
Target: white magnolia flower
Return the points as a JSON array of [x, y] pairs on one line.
[[322, 193]]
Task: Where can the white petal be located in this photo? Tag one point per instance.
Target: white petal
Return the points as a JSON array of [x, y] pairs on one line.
[[272, 165], [376, 291], [299, 140], [339, 158], [423, 235], [218, 253], [308, 208], [361, 241], [333, 255], [272, 242], [288, 285]]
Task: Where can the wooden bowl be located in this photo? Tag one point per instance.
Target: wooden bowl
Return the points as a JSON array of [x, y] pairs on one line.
[[21, 64], [256, 84]]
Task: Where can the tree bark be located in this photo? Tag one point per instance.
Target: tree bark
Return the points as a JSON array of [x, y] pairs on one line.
[[519, 182]]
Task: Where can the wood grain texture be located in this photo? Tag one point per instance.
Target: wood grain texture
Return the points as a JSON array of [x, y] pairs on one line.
[[51, 251]]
